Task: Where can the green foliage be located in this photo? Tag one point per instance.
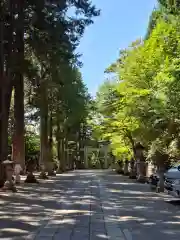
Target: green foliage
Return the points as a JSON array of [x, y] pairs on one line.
[[143, 105], [171, 6], [39, 43], [32, 144], [156, 15]]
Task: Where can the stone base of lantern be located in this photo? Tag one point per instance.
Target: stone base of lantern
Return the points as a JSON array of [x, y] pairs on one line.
[[126, 173], [51, 173], [132, 175], [120, 171], [60, 171], [153, 187], [18, 179], [31, 178], [141, 179], [43, 175], [9, 185]]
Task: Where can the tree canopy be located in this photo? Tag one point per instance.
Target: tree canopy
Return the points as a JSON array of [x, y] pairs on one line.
[[143, 104], [40, 79]]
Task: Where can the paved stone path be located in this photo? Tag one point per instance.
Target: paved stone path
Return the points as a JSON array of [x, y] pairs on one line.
[[87, 205], [142, 214]]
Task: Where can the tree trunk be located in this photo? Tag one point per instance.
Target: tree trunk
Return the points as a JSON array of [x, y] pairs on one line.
[[59, 154], [58, 141], [50, 142], [15, 70], [161, 179], [62, 160], [70, 161], [18, 136], [43, 129], [161, 162], [5, 95], [18, 146], [141, 171], [5, 90], [126, 164], [2, 170], [66, 153], [50, 137], [140, 164], [60, 151], [132, 173], [81, 146]]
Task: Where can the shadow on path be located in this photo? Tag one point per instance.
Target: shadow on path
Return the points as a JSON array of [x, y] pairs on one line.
[[146, 214], [83, 204]]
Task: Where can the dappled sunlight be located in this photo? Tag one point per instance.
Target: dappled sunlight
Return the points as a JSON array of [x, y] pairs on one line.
[[76, 205], [29, 219], [23, 208], [115, 190], [170, 222], [111, 219], [122, 183], [141, 207], [69, 211], [85, 202], [102, 236], [34, 204], [132, 218], [134, 192], [169, 232], [164, 212], [66, 220], [149, 223], [67, 174], [13, 230], [85, 182]]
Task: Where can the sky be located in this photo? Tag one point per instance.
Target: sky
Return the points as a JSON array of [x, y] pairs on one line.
[[118, 25]]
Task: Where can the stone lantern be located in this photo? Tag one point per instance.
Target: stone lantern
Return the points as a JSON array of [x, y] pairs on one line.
[[140, 163], [30, 176], [43, 174], [9, 169]]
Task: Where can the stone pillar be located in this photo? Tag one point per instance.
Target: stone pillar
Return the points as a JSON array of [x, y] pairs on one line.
[[30, 176]]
